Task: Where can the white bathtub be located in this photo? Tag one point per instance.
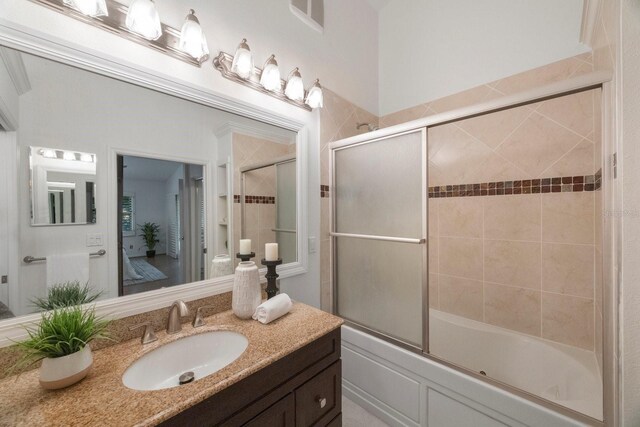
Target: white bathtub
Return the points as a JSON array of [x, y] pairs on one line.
[[560, 373], [406, 389]]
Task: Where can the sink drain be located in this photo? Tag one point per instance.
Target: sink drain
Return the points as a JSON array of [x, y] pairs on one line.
[[186, 378]]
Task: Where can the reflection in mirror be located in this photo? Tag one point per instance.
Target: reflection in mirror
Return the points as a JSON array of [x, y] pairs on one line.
[[168, 181], [162, 222], [62, 187], [265, 201]]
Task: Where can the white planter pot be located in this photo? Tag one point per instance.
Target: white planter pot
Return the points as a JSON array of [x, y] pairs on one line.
[[64, 371], [247, 294]]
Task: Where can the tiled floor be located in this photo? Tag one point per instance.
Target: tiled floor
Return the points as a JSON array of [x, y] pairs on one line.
[[355, 416]]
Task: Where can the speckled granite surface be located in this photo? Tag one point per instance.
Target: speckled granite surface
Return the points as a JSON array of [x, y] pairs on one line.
[[102, 399]]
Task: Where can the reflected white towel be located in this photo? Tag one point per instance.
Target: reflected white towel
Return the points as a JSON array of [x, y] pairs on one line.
[[272, 309], [62, 268]]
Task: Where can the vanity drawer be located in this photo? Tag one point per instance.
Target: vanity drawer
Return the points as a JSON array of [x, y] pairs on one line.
[[281, 414], [318, 401]]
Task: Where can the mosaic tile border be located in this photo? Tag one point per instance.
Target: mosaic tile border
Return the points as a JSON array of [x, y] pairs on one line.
[[561, 184], [324, 191], [255, 200]]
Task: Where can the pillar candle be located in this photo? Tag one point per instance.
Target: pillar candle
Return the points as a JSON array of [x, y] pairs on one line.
[[245, 246], [271, 252]]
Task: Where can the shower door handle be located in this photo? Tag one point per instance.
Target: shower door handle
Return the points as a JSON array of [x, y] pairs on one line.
[[382, 238]]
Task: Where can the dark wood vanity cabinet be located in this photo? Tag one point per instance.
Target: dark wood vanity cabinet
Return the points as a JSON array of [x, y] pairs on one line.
[[302, 389]]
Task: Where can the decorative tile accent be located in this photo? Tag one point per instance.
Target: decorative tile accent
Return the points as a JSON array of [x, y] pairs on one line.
[[261, 200], [527, 186], [324, 191]]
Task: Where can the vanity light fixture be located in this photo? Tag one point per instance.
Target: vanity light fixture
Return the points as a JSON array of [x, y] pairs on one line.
[[295, 86], [48, 153], [139, 23], [242, 63], [314, 96], [84, 157], [69, 155], [91, 8], [270, 78], [143, 19], [192, 39]]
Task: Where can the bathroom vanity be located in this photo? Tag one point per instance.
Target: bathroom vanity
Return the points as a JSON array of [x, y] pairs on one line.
[[289, 374]]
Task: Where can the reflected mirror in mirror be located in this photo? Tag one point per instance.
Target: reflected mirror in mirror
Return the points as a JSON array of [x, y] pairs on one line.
[[167, 165], [62, 187]]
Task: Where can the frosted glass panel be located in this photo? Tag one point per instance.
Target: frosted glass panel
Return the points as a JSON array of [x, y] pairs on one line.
[[378, 187], [379, 286], [286, 211]]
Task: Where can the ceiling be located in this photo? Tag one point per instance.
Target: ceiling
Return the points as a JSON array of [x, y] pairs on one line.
[[149, 169], [378, 4]]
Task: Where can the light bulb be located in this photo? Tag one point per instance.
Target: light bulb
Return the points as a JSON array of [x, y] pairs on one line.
[[84, 157], [192, 39], [92, 8], [314, 97], [270, 78], [242, 63], [68, 155], [295, 86], [143, 19], [48, 153]]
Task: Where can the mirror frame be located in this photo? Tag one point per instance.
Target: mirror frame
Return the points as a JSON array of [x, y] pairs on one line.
[[304, 124]]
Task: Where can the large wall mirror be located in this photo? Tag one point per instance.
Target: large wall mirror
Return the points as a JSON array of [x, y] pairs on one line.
[[159, 189]]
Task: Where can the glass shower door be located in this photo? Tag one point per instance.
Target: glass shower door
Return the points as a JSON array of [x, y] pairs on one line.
[[286, 219], [378, 236]]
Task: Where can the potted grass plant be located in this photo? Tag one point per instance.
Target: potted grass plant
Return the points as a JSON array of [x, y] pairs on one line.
[[61, 341], [150, 232], [66, 295]]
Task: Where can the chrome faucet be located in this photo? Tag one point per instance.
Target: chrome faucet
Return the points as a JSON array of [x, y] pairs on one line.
[[177, 310]]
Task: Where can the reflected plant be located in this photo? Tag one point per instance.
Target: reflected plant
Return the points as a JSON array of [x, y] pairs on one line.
[[66, 295], [150, 232]]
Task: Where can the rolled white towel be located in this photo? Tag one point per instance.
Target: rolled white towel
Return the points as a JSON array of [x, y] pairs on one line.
[[272, 309]]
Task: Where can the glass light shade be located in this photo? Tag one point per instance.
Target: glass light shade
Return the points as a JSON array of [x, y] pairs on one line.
[[89, 7], [192, 39], [86, 158], [48, 153], [270, 78], [295, 86], [242, 63], [68, 155], [314, 97], [143, 19]]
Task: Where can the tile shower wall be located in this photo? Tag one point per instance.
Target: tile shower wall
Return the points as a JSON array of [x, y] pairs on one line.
[[523, 260], [260, 190]]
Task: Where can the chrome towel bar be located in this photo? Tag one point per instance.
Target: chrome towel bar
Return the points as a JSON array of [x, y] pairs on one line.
[[29, 259], [383, 238]]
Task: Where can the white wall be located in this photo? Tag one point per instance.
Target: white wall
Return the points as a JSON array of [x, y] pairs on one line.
[[433, 48], [630, 295], [344, 60], [150, 206], [9, 109]]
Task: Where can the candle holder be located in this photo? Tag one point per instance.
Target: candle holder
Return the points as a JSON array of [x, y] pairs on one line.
[[245, 257], [271, 276]]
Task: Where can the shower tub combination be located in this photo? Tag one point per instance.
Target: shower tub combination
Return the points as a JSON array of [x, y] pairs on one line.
[[410, 364]]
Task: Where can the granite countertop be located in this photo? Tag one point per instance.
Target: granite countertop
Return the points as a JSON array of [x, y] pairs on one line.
[[102, 399]]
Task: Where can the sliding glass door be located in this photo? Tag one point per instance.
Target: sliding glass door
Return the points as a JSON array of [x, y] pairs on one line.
[[379, 234]]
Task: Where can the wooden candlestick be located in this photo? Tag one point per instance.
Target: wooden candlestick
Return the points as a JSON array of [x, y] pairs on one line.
[[271, 276], [245, 257]]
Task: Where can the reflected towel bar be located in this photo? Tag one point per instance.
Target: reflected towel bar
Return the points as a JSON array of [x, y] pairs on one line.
[[383, 238], [30, 259]]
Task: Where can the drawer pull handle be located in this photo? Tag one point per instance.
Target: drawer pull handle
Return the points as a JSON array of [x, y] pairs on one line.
[[322, 401]]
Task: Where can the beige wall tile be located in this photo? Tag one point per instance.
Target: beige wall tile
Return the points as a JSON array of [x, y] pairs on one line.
[[568, 269], [404, 116], [568, 320], [539, 76], [459, 296], [433, 290], [433, 207], [460, 257], [514, 217], [460, 217], [568, 217], [517, 309], [512, 263], [493, 129], [461, 99], [574, 111], [433, 254], [537, 144], [577, 162]]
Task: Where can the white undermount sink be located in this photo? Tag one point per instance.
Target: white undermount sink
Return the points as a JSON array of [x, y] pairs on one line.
[[201, 354]]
